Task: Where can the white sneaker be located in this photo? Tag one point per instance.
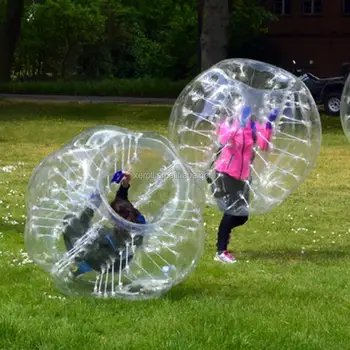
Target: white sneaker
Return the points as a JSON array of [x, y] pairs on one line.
[[225, 257]]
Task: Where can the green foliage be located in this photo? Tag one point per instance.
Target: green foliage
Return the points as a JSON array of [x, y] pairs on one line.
[[107, 39], [2, 10], [165, 38], [248, 24], [55, 33], [110, 55], [142, 87], [150, 58]]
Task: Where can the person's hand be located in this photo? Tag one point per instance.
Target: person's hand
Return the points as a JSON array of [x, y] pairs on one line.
[[288, 112], [245, 116], [273, 115], [271, 118]]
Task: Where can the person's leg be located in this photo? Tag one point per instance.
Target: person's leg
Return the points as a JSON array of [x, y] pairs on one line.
[[227, 224], [237, 193], [235, 212], [236, 221], [76, 226], [224, 233], [74, 230]]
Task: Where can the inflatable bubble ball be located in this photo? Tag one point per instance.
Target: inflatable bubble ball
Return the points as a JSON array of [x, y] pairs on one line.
[[250, 130], [345, 108], [98, 233]]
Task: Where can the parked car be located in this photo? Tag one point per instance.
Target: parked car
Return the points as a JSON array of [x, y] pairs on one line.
[[325, 91]]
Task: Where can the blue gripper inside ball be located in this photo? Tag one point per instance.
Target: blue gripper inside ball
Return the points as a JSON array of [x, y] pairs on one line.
[[117, 177]]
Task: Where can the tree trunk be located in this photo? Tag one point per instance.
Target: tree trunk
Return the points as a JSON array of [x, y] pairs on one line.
[[214, 33], [10, 31]]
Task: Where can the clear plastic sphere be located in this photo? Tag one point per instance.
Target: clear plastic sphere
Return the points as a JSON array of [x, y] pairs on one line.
[[345, 108], [251, 130], [73, 233]]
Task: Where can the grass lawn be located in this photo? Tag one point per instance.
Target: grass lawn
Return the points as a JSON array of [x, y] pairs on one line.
[[289, 290]]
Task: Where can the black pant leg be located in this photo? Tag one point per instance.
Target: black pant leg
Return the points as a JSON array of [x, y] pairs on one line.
[[76, 227], [228, 222]]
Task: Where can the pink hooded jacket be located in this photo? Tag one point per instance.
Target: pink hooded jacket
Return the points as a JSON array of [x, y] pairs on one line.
[[237, 151]]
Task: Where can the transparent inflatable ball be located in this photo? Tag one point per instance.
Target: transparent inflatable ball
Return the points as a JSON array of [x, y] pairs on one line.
[[251, 131], [115, 213]]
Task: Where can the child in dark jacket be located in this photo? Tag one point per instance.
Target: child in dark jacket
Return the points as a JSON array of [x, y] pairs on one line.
[[112, 246]]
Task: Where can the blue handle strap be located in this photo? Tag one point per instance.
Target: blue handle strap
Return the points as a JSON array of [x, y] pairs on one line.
[[141, 219], [253, 127], [110, 241], [118, 176], [83, 267]]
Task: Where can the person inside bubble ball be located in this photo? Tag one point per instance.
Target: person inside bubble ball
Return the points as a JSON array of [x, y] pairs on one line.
[[237, 139], [112, 244]]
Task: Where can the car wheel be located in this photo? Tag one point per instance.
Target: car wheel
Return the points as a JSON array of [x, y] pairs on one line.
[[332, 103]]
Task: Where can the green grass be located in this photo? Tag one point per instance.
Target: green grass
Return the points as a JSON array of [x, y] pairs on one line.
[[118, 87], [289, 290]]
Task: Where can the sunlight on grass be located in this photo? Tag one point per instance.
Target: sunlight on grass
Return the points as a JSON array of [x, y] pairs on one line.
[[289, 289]]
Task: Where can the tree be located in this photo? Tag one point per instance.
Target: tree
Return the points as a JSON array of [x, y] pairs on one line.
[[247, 36], [200, 4], [55, 34], [10, 30], [214, 32], [99, 39]]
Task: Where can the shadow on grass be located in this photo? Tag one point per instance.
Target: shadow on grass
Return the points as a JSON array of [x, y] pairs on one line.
[[230, 289], [331, 124], [203, 290], [318, 256], [9, 229]]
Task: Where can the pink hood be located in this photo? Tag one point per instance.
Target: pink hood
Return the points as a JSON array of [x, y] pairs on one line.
[[237, 152]]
